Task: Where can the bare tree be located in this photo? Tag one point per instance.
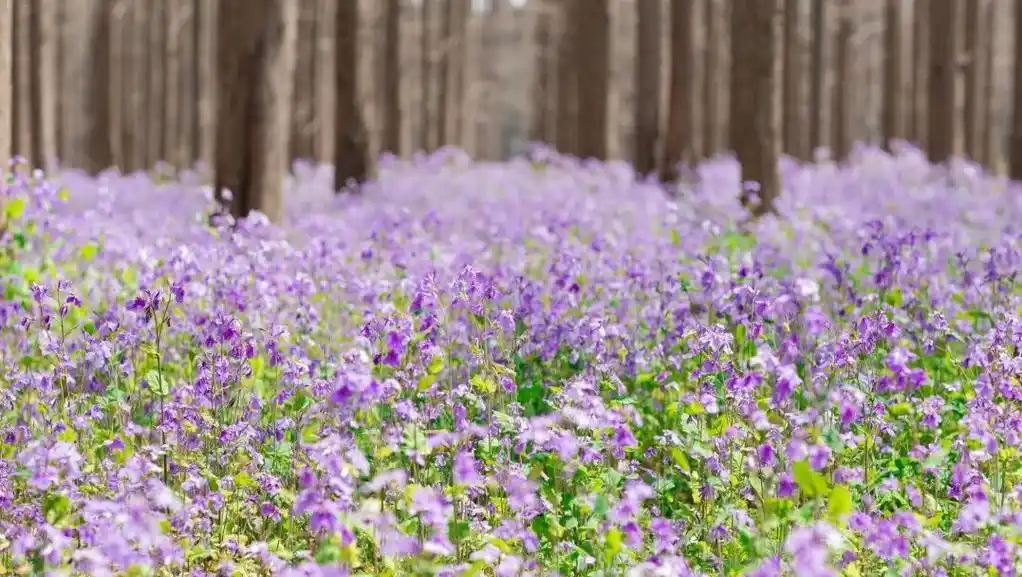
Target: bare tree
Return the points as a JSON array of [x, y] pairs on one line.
[[818, 70], [567, 80], [753, 121], [893, 119], [678, 147], [255, 63], [593, 60], [647, 82], [711, 83], [941, 109], [840, 137], [351, 160], [793, 116], [392, 78], [971, 129], [1015, 162], [6, 81]]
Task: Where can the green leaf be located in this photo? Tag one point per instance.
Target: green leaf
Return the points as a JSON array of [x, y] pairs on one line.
[[483, 384], [56, 507], [839, 502], [88, 252], [436, 365], [809, 481], [614, 540], [157, 383], [14, 209]]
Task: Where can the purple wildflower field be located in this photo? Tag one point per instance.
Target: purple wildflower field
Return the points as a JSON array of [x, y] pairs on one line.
[[519, 369]]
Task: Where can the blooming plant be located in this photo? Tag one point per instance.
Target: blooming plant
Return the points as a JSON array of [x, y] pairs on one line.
[[532, 368]]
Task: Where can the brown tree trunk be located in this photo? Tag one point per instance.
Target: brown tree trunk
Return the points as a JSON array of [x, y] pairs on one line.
[[206, 45], [680, 122], [6, 83], [426, 132], [458, 57], [176, 11], [303, 121], [941, 109], [839, 121], [793, 108], [893, 121], [989, 153], [324, 77], [156, 97], [818, 72], [593, 61], [1015, 159], [22, 72], [711, 82], [186, 124], [971, 123], [392, 78], [543, 97], [44, 83], [920, 59], [116, 92], [753, 121], [567, 80], [351, 157], [255, 66], [444, 72], [647, 82]]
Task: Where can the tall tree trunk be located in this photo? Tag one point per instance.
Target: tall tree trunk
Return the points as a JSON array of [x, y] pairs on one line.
[[920, 75], [177, 12], [324, 74], [457, 115], [6, 83], [941, 109], [971, 123], [426, 132], [444, 72], [818, 73], [44, 83], [116, 92], [839, 121], [753, 121], [893, 121], [711, 82], [793, 107], [392, 78], [543, 96], [185, 124], [1015, 162], [206, 56], [567, 80], [22, 72], [255, 66], [98, 155], [593, 61], [85, 73], [680, 121], [157, 89], [989, 155], [647, 82], [303, 122], [351, 157]]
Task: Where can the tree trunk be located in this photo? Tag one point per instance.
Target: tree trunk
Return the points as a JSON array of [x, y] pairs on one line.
[[793, 108], [989, 154], [44, 84], [324, 76], [458, 56], [303, 122], [427, 11], [567, 80], [647, 82], [186, 124], [839, 121], [255, 66], [206, 56], [22, 72], [444, 72], [680, 122], [177, 11], [941, 109], [711, 82], [543, 97], [593, 60], [893, 121], [6, 83], [350, 136], [1015, 163], [753, 122], [920, 58], [155, 101], [971, 123], [818, 73], [392, 78]]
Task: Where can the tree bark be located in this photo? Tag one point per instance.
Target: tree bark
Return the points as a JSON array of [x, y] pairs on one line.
[[593, 61], [711, 82], [647, 82], [987, 104], [156, 95], [255, 66], [567, 80], [6, 82], [350, 140], [893, 121], [793, 108], [392, 78], [427, 11], [678, 148], [303, 122], [324, 74], [840, 138], [1015, 162], [44, 84], [818, 72], [920, 58], [753, 121], [543, 94], [186, 124], [941, 109], [206, 45], [177, 11], [444, 73], [22, 72], [971, 122]]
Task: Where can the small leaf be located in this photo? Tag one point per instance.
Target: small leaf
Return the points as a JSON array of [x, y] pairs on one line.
[[157, 383], [14, 209], [809, 481], [88, 252], [839, 502], [614, 540]]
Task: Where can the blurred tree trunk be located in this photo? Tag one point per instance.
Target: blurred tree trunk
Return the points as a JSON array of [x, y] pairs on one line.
[[680, 122], [893, 117], [793, 108], [116, 93], [592, 57], [1015, 161], [84, 74], [989, 155], [206, 57], [96, 137], [647, 82], [426, 132], [156, 96], [255, 66], [44, 83], [22, 77], [303, 121], [941, 109], [6, 82], [753, 122], [839, 119], [186, 123], [543, 94], [135, 80], [392, 78], [818, 73], [457, 59], [444, 72], [711, 82], [324, 76], [177, 12], [351, 157], [920, 57], [567, 80], [971, 129]]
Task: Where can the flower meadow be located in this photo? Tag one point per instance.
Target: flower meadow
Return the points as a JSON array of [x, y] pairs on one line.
[[538, 367]]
